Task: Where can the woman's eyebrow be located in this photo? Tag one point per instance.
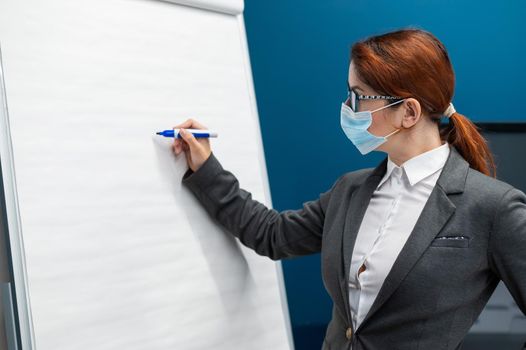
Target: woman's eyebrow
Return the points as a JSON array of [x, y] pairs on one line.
[[355, 87]]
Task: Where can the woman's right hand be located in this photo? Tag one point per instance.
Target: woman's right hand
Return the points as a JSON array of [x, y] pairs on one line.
[[197, 150]]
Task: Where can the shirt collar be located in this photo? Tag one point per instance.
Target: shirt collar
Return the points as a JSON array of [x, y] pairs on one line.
[[420, 166]]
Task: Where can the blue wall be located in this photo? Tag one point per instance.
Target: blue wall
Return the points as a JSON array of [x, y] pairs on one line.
[[299, 52]]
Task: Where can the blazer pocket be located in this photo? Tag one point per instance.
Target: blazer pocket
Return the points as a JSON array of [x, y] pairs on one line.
[[451, 241]]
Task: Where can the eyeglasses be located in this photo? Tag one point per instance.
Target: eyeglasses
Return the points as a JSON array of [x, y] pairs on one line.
[[353, 98]]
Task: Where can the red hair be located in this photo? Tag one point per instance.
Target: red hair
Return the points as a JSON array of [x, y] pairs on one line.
[[414, 63]]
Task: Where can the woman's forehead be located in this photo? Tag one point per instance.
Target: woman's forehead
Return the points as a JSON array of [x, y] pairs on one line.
[[353, 81]]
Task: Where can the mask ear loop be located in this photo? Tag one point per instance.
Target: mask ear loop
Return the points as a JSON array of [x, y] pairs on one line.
[[394, 132], [389, 105]]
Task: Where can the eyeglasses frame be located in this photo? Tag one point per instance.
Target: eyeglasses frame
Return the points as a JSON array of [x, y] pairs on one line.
[[367, 97]]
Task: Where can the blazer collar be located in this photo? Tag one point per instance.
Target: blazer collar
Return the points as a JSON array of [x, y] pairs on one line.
[[436, 212]]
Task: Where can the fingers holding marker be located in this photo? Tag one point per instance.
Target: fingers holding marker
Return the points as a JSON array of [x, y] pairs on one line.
[[181, 143], [190, 123], [178, 142], [177, 145], [193, 138], [189, 138]]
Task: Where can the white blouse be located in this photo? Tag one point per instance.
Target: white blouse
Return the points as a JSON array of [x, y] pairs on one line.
[[389, 219]]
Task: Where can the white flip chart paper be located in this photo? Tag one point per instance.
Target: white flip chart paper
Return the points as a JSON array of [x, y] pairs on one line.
[[117, 254]]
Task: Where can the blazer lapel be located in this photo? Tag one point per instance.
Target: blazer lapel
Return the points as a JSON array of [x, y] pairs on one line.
[[436, 212]]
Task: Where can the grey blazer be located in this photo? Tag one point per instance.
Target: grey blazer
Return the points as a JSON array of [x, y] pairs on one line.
[[437, 286]]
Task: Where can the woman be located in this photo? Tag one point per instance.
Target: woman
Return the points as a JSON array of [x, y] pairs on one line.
[[412, 249]]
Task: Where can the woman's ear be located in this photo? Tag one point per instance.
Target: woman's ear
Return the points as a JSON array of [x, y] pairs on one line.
[[412, 112]]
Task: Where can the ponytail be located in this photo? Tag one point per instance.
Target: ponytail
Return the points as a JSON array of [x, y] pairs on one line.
[[465, 136]]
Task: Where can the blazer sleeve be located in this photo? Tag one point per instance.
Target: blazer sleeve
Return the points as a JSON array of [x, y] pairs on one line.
[[508, 244], [268, 232]]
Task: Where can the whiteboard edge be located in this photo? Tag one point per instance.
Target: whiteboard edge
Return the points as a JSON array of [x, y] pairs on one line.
[[233, 9], [263, 167], [14, 234]]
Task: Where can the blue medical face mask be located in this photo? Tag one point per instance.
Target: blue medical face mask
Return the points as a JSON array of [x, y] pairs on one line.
[[355, 125]]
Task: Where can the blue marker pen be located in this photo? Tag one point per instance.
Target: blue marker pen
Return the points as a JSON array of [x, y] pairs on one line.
[[195, 132]]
